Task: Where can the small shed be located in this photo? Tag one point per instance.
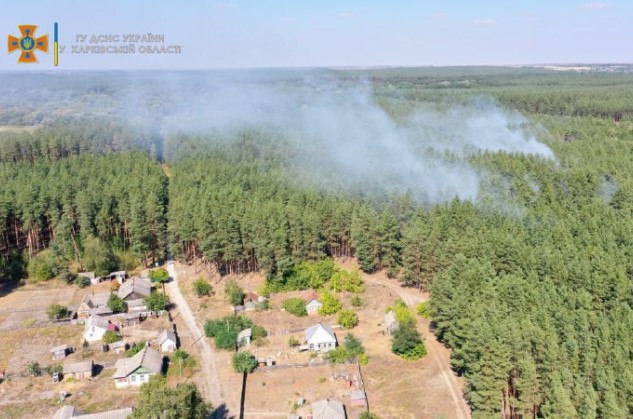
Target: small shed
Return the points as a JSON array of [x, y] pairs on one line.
[[244, 337], [167, 341], [357, 398], [79, 370], [118, 276], [391, 324], [311, 297], [132, 319], [119, 347], [94, 279], [60, 352]]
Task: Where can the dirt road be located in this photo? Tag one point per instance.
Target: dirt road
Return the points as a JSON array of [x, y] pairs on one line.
[[436, 351], [212, 390]]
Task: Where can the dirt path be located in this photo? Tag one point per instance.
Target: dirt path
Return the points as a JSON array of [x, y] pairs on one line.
[[437, 352], [212, 390]]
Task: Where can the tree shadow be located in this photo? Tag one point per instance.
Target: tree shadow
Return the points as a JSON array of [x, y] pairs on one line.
[[221, 412]]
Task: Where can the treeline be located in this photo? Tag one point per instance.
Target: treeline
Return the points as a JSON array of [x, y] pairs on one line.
[[116, 199], [91, 136]]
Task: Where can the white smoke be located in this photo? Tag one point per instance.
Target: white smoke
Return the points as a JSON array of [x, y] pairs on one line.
[[346, 135]]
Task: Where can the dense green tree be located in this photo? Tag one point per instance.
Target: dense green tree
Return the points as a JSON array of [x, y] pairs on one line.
[[116, 304], [57, 311], [157, 301], [201, 287], [234, 293], [157, 400], [296, 306]]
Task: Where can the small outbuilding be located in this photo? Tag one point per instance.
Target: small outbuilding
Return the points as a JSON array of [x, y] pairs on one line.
[[311, 297], [167, 341], [244, 337], [60, 352], [67, 412], [79, 370], [391, 324]]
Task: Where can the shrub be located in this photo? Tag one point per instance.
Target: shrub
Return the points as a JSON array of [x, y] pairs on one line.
[[110, 337], [201, 287], [402, 312], [262, 305], [136, 348], [423, 310], [234, 293], [337, 356], [244, 362], [157, 301], [331, 305], [348, 319], [351, 349], [34, 369], [82, 281], [296, 306], [303, 276], [343, 280], [56, 311], [407, 342], [367, 415], [293, 342], [258, 332], [225, 330], [42, 267], [357, 301], [159, 275], [68, 276], [180, 354], [116, 304]]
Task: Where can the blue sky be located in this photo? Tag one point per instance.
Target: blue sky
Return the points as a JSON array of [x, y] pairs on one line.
[[303, 33]]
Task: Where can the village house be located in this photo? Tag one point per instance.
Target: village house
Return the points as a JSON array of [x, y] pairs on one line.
[[138, 369], [311, 297], [60, 352], [328, 409], [96, 327], [79, 370], [319, 338], [166, 341], [94, 304], [391, 324], [68, 411], [133, 292], [244, 337]]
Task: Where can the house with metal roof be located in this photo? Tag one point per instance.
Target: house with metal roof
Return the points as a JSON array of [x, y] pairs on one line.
[[328, 409], [320, 338], [138, 369]]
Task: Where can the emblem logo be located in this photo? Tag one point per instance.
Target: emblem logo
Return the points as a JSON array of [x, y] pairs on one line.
[[28, 44]]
